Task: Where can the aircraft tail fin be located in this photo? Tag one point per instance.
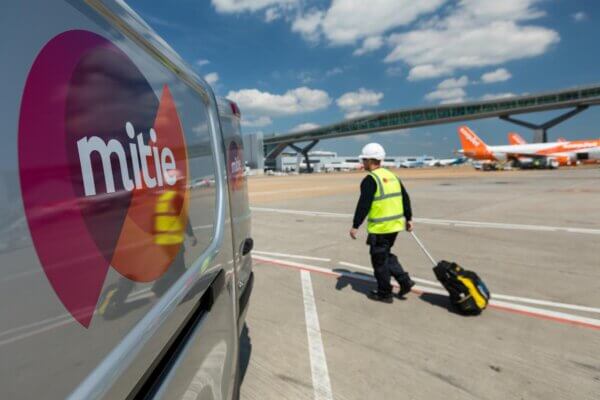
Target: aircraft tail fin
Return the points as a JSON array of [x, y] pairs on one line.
[[515, 138], [471, 143]]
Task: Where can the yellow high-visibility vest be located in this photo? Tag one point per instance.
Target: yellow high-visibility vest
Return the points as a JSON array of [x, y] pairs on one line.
[[387, 210], [168, 224]]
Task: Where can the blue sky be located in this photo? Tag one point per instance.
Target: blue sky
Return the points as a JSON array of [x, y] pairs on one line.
[[301, 63]]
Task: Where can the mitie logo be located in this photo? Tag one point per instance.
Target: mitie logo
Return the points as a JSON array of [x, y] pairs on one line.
[[235, 161], [98, 150], [139, 151]]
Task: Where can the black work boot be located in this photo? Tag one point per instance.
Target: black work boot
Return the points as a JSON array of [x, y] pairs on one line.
[[405, 287], [377, 296]]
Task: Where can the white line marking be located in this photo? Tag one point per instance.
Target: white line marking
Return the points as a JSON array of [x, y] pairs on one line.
[[594, 323], [34, 324], [518, 299], [25, 335], [424, 281], [300, 212], [295, 264], [526, 300], [567, 306], [55, 322], [306, 189], [266, 253], [448, 222], [548, 313], [318, 363]]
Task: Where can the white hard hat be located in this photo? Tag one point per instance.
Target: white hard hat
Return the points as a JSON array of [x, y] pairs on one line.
[[373, 151]]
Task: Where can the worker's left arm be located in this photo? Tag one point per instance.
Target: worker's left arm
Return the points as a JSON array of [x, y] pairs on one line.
[[407, 206]]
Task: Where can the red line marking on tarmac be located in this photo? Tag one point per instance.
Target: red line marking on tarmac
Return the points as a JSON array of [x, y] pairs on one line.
[[546, 317], [326, 272]]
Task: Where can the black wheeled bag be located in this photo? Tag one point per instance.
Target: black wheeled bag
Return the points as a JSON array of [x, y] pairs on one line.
[[468, 293]]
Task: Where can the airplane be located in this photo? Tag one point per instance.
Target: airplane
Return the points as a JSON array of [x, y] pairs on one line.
[[515, 138], [550, 155], [445, 162]]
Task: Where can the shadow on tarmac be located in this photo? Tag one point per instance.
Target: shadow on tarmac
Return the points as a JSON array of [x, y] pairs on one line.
[[440, 300], [356, 284]]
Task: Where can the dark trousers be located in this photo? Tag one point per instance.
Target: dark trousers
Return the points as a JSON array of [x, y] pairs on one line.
[[385, 264]]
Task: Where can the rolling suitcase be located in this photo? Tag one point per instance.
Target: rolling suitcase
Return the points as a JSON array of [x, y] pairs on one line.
[[468, 293]]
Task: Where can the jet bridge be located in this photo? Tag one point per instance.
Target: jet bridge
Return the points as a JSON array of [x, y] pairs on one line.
[[576, 99]]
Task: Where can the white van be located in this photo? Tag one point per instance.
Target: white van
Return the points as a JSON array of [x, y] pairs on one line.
[[125, 227]]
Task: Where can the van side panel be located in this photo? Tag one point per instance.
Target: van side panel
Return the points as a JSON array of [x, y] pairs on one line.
[[238, 191], [102, 261]]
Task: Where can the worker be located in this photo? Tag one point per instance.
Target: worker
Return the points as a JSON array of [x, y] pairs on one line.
[[384, 200], [170, 226]]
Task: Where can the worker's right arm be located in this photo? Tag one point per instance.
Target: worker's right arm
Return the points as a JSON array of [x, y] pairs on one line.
[[368, 187]]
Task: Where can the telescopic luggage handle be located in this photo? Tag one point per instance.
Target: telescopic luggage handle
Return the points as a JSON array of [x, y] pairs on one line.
[[423, 248]]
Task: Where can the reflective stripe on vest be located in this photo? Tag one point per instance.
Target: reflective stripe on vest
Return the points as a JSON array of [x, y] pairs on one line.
[[387, 210], [168, 225]]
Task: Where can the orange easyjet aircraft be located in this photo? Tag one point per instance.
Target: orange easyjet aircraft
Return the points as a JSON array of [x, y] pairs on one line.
[[515, 138], [555, 153]]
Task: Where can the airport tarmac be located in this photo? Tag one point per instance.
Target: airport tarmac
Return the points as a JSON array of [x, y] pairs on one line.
[[533, 236]]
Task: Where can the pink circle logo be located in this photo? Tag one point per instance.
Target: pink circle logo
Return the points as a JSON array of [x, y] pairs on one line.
[[103, 163]]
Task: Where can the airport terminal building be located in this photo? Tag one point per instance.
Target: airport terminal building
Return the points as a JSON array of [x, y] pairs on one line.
[[329, 161]]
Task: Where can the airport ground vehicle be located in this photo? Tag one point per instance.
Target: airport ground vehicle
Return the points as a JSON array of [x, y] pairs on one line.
[[124, 267]]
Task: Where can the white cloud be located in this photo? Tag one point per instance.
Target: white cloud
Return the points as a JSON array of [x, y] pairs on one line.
[[401, 132], [427, 71], [202, 62], [357, 113], [489, 10], [579, 16], [394, 71], [464, 34], [304, 127], [238, 6], [256, 122], [453, 100], [452, 83], [499, 75], [476, 33], [445, 95], [307, 25], [356, 101], [347, 21], [369, 44], [305, 77], [361, 138], [295, 101], [211, 78], [494, 96], [449, 90], [272, 14], [343, 22], [334, 71]]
